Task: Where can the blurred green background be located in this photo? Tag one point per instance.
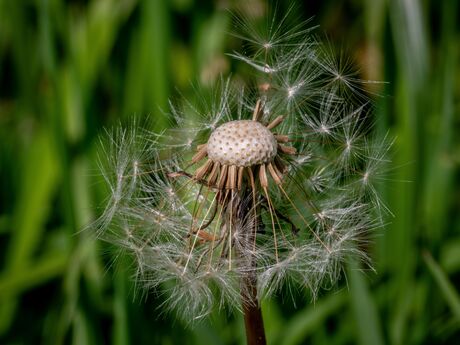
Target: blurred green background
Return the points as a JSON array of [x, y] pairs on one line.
[[68, 69]]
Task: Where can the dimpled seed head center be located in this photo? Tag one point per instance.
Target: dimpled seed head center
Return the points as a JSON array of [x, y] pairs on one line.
[[242, 143]]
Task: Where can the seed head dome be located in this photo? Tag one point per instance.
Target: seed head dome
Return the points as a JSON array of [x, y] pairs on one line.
[[242, 143]]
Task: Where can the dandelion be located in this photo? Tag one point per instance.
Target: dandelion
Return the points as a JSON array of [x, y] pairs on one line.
[[267, 186]]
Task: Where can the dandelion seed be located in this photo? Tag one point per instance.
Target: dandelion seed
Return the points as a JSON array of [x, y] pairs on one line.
[[348, 145], [365, 177]]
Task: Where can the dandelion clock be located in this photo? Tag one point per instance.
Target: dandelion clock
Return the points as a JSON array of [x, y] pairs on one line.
[[272, 185]]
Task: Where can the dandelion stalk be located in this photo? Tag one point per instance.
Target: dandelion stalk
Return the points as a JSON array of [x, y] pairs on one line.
[[253, 321]]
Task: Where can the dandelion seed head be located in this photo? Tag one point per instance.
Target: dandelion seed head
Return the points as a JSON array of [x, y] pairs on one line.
[[242, 143], [271, 180]]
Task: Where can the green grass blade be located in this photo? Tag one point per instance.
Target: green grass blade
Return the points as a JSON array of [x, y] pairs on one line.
[[121, 322], [364, 309], [444, 284], [39, 179], [305, 322], [273, 321], [34, 275]]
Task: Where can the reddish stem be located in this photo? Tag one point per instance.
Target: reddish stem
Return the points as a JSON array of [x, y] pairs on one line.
[[253, 322]]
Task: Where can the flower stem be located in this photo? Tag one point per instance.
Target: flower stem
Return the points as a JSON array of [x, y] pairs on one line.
[[253, 322]]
